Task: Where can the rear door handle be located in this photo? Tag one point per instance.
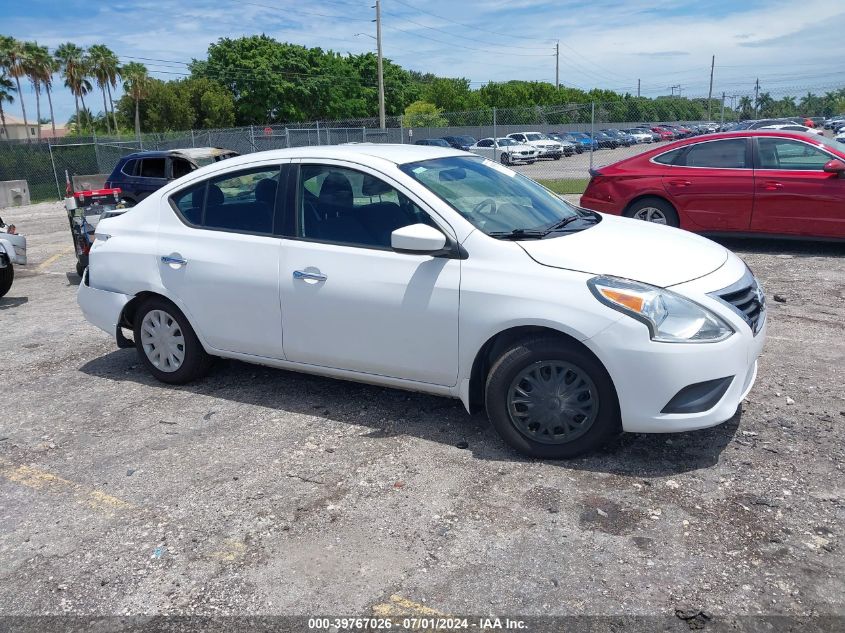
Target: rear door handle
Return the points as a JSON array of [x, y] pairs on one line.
[[680, 183], [175, 260], [772, 185], [303, 274]]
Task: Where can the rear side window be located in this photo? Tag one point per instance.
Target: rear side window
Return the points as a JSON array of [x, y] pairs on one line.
[[181, 167], [152, 168], [726, 154], [242, 201], [129, 167], [669, 158]]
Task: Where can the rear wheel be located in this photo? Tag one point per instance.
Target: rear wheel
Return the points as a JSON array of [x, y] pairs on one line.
[[7, 276], [655, 210], [167, 344], [550, 399]]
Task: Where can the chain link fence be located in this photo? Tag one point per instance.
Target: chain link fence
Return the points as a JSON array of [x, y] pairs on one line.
[[44, 164]]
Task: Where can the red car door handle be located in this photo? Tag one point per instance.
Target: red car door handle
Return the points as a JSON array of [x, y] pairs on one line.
[[680, 183], [772, 185]]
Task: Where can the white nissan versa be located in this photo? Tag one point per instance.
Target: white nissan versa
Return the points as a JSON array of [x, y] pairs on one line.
[[438, 271]]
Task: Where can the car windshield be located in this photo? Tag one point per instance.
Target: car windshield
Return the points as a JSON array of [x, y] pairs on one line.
[[467, 140], [494, 199], [535, 137], [503, 142]]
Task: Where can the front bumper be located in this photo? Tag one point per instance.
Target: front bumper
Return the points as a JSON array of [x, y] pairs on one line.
[[648, 374], [101, 307]]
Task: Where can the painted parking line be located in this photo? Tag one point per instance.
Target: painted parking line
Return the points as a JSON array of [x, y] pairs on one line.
[[397, 606], [41, 480], [52, 259]]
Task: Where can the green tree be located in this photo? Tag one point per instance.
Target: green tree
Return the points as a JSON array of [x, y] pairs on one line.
[[73, 66], [105, 68], [424, 114], [7, 88], [13, 60], [136, 82], [40, 67]]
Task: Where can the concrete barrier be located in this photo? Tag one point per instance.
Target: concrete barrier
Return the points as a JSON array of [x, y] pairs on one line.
[[13, 193], [89, 182]]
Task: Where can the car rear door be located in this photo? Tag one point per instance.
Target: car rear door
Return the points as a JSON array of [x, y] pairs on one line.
[[218, 258], [349, 301], [711, 184], [793, 194], [151, 175]]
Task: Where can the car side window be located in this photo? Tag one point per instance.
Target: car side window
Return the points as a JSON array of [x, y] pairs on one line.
[[348, 207], [129, 167], [669, 158], [181, 167], [152, 168], [725, 154], [241, 201], [782, 153], [485, 143]]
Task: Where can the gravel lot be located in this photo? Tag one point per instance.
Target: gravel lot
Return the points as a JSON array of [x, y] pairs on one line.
[[261, 492]]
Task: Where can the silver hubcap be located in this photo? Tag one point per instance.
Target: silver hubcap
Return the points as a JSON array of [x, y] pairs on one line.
[[651, 214], [162, 340], [552, 402]]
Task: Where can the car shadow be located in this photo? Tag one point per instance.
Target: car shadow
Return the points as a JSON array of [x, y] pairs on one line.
[[776, 246], [386, 412], [7, 303], [73, 279]]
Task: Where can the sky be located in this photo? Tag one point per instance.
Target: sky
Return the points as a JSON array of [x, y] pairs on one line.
[[792, 47]]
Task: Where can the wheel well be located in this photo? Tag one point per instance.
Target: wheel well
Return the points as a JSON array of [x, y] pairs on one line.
[[127, 317], [645, 196], [493, 348]]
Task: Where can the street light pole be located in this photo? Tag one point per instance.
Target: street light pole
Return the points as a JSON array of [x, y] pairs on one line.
[[381, 117]]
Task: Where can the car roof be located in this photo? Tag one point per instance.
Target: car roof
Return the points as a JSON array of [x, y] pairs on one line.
[[187, 152], [398, 154]]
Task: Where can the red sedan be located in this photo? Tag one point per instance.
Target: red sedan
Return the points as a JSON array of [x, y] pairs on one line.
[[754, 181]]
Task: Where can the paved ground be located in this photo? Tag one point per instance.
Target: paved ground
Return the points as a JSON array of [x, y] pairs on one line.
[[259, 491]]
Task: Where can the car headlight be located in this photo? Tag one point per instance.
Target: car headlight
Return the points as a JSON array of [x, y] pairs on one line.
[[670, 317]]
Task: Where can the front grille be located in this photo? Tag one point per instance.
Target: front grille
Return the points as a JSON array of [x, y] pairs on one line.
[[746, 298]]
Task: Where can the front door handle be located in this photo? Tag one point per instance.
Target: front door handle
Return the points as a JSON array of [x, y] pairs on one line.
[[304, 274], [174, 260], [680, 183], [772, 185]]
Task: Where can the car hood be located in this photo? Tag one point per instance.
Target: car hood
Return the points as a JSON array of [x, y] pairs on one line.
[[650, 253], [522, 147]]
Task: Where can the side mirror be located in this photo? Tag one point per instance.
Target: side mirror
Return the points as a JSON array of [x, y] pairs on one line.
[[835, 166], [417, 239]]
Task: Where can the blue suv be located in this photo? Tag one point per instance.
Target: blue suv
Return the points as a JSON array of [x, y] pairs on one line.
[[140, 174]]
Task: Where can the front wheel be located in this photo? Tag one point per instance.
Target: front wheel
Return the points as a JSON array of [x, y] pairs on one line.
[[7, 276], [505, 159], [655, 210], [167, 344], [550, 399]]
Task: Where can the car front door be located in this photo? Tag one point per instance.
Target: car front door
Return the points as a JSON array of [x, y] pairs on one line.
[[486, 149], [218, 257], [712, 184], [793, 194], [348, 300]]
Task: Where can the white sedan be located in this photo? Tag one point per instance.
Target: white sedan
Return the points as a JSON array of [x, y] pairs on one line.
[[505, 150], [640, 135], [548, 147], [794, 127], [437, 271]]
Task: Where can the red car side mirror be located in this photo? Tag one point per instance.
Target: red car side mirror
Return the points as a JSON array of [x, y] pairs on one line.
[[834, 166]]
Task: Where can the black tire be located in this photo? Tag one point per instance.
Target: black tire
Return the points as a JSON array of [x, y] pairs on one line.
[[7, 276], [522, 355], [664, 206], [579, 150], [80, 268], [505, 158], [556, 157], [196, 362]]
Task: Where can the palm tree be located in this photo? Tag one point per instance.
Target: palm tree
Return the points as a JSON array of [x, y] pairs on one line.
[[136, 81], [746, 107], [33, 71], [40, 68], [12, 58], [105, 68], [73, 66], [6, 90]]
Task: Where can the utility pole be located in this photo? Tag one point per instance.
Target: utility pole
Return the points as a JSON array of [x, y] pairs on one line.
[[673, 90], [710, 94], [722, 120], [381, 121], [756, 94], [557, 65], [638, 88]]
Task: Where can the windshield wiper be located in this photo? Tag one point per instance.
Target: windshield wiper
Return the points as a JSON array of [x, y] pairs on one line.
[[518, 234]]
